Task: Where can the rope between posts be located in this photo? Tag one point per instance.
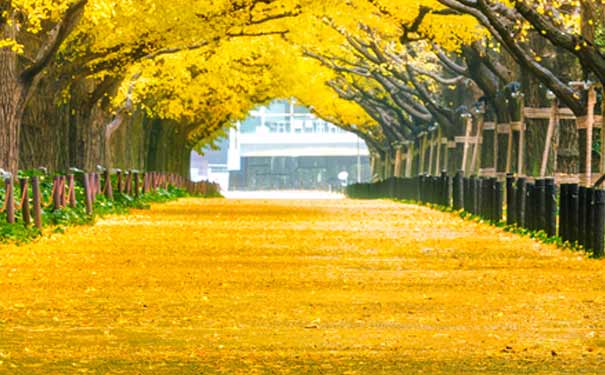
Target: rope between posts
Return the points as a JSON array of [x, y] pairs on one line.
[[52, 194]]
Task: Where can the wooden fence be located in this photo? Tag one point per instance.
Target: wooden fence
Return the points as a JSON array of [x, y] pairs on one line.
[[431, 152], [63, 194], [572, 212]]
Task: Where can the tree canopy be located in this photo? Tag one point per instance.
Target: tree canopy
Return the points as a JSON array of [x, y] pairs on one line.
[[386, 70]]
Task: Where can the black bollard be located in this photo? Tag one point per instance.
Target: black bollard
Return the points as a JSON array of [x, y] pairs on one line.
[[493, 199], [599, 223], [521, 200], [550, 196], [589, 227], [530, 208], [466, 193], [510, 199], [583, 214], [563, 212], [573, 214], [476, 195], [540, 198], [498, 201]]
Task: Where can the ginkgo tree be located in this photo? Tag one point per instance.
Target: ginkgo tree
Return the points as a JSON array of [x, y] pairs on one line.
[[386, 70]]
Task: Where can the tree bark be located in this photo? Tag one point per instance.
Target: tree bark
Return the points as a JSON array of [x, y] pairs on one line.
[[12, 92]]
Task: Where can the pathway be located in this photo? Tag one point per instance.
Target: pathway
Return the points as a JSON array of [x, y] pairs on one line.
[[320, 287]]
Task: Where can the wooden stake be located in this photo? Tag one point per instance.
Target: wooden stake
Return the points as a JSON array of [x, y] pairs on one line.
[[553, 122], [592, 100], [521, 154], [397, 171], [387, 164], [467, 134], [25, 203], [9, 200], [475, 162], [409, 160], [135, 177], [431, 153], [88, 193], [36, 201], [108, 187], [422, 153], [509, 150], [438, 167], [72, 191], [57, 193]]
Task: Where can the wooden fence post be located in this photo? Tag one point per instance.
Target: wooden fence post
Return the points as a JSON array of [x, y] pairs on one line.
[[553, 123], [119, 181], [476, 161], [409, 160], [88, 193], [521, 154], [9, 200], [108, 187], [25, 201], [128, 187], [422, 156], [56, 193], [431, 154], [36, 202], [438, 166], [97, 185], [72, 190], [94, 186], [397, 167], [64, 191], [467, 134], [135, 176], [509, 148], [592, 100], [145, 182]]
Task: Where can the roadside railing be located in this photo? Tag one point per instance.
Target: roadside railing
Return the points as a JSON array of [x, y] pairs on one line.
[[574, 213], [27, 194]]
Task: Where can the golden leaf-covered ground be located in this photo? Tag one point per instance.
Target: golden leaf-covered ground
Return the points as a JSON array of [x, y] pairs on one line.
[[343, 287]]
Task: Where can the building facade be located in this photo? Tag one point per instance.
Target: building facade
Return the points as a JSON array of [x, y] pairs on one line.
[[284, 146]]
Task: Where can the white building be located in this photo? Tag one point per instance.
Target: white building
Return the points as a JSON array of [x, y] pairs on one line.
[[284, 146]]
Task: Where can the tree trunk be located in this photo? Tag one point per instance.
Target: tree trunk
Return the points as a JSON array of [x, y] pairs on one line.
[[12, 92], [168, 149]]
